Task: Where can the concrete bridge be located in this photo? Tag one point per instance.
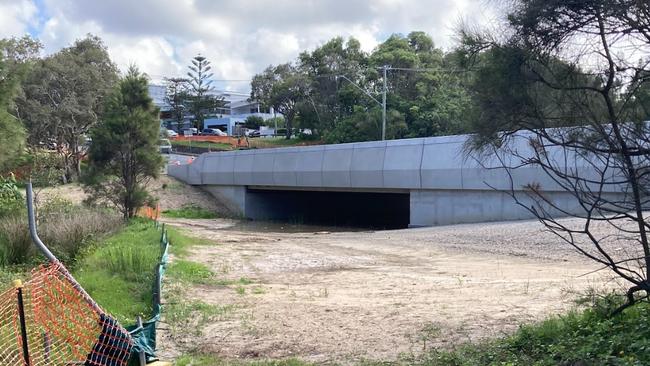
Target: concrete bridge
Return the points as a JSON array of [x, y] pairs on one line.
[[398, 183]]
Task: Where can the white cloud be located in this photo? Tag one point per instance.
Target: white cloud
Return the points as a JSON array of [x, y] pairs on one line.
[[16, 16], [240, 37]]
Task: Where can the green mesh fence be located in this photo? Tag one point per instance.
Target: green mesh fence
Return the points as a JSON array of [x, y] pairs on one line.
[[144, 337]]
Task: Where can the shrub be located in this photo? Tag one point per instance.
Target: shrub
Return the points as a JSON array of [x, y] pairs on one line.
[[11, 201], [67, 230]]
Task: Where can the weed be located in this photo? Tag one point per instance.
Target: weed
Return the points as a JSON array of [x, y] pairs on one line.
[[190, 272], [198, 359], [241, 290], [118, 272], [190, 212], [258, 290], [194, 315]]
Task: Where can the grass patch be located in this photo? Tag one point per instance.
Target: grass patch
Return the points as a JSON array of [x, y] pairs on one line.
[[268, 142], [589, 337], [190, 212], [210, 360], [241, 281], [204, 144], [181, 243], [192, 316], [190, 272], [119, 271]]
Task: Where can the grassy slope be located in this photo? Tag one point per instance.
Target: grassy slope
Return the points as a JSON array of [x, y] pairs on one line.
[[119, 272]]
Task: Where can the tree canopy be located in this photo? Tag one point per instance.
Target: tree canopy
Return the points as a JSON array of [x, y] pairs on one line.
[[63, 95], [326, 89]]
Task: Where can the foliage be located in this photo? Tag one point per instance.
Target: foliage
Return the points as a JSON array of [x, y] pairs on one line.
[[253, 122], [190, 212], [211, 360], [122, 283], [425, 96], [124, 151], [67, 229], [63, 98], [190, 272], [177, 96], [590, 337], [282, 87], [11, 200], [535, 80], [16, 57], [200, 100]]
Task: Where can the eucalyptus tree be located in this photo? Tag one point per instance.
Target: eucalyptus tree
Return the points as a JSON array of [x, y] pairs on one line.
[[16, 57], [283, 87], [63, 98]]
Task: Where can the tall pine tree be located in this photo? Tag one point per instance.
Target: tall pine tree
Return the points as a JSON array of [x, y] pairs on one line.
[[124, 153]]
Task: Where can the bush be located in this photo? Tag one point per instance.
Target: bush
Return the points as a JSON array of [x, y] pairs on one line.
[[190, 212], [67, 230], [11, 201]]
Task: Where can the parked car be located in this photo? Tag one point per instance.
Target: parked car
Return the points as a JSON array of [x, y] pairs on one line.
[[253, 133], [172, 133], [165, 146], [193, 131], [213, 132]]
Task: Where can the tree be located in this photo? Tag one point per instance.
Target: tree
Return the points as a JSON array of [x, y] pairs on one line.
[[577, 112], [201, 102], [177, 97], [253, 122], [63, 97], [283, 87], [16, 57], [124, 152]]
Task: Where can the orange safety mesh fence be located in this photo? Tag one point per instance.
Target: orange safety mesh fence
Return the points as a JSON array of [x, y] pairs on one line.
[[150, 212], [63, 328]]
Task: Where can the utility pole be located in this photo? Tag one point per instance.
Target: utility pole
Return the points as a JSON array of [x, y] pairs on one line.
[[383, 104]]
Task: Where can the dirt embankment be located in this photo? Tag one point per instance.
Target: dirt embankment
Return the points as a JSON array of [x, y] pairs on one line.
[[170, 192], [348, 296]]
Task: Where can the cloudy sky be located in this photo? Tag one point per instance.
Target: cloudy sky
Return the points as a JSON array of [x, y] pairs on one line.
[[240, 37]]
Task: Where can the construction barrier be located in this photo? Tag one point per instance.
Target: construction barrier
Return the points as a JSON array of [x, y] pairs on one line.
[[49, 321]]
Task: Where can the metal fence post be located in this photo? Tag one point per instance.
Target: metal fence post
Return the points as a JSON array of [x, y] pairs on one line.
[[141, 355], [23, 327]]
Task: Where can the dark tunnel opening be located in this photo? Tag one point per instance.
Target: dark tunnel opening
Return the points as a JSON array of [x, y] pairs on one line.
[[347, 209]]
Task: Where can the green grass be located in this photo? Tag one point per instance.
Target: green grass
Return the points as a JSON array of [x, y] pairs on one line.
[[203, 144], [265, 142], [209, 360], [190, 272], [190, 212], [119, 271], [589, 337], [180, 312], [180, 243]]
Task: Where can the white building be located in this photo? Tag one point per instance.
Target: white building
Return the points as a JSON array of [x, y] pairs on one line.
[[236, 109]]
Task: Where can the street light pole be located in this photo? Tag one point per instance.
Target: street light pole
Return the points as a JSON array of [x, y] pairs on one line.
[[383, 104]]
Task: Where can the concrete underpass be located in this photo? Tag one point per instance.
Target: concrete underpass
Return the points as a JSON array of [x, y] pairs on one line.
[[376, 210]]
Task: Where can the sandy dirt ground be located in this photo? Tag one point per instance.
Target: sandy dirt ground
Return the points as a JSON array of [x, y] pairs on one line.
[[348, 296]]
